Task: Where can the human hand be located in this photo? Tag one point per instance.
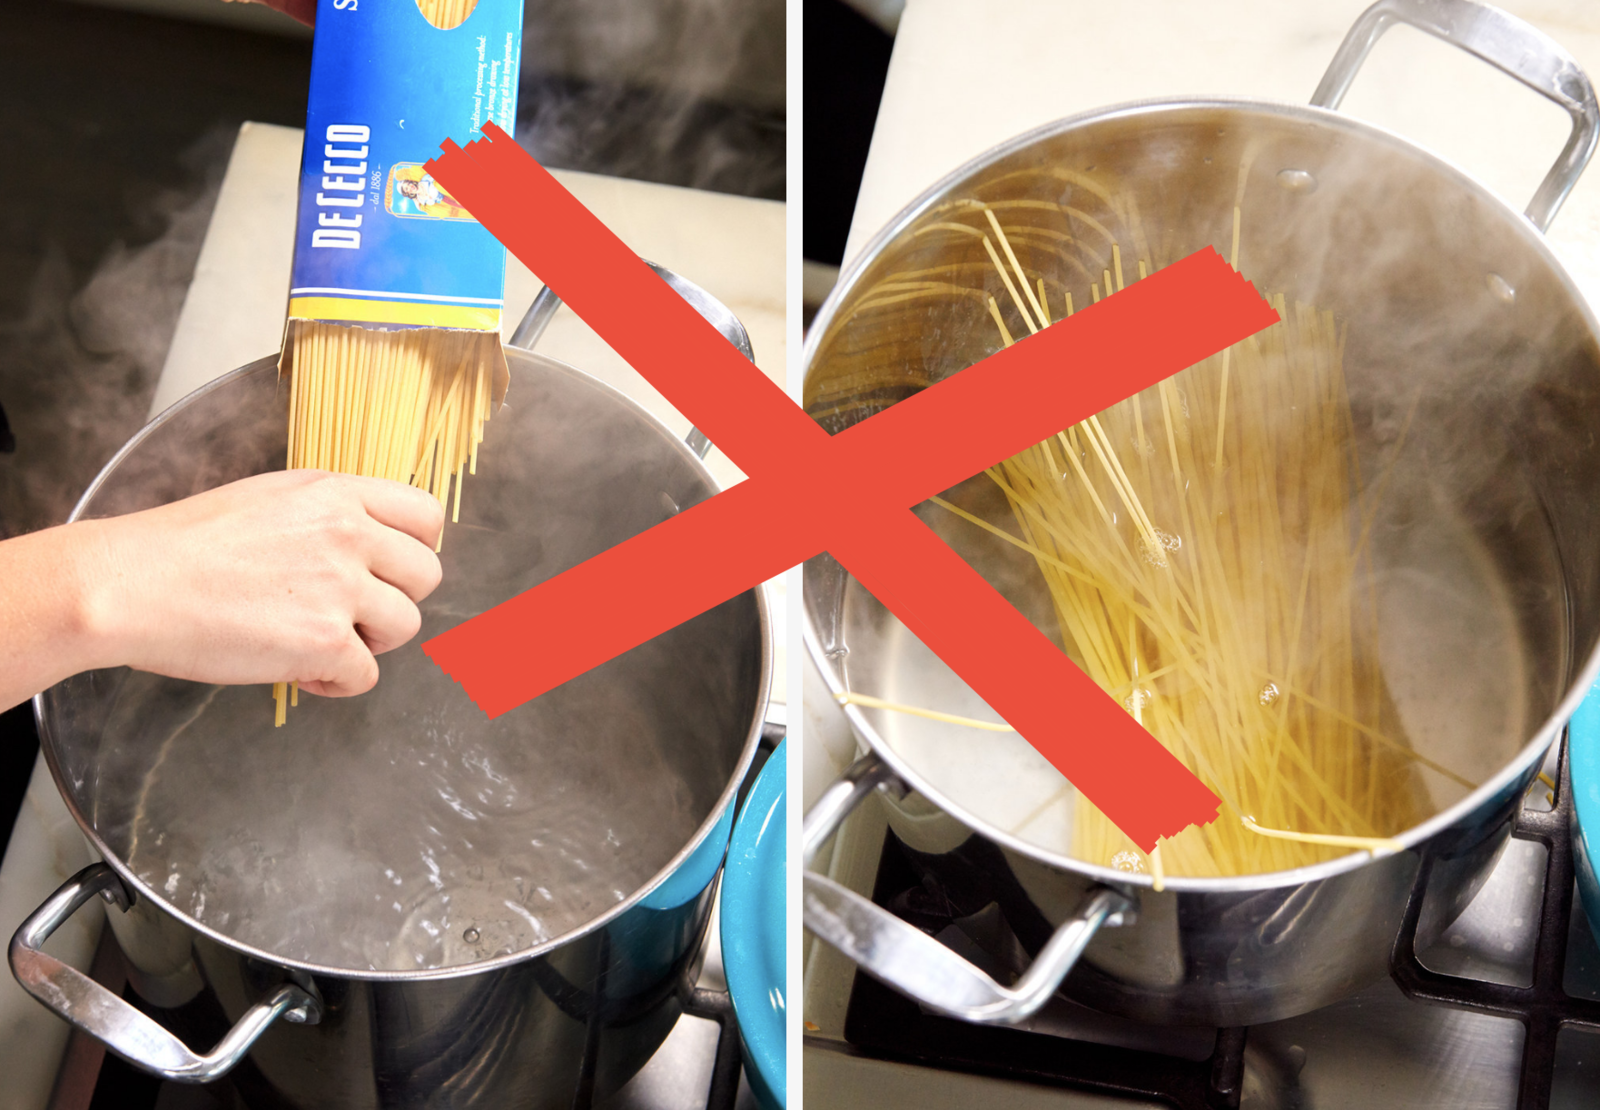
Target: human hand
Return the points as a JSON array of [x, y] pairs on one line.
[[294, 575]]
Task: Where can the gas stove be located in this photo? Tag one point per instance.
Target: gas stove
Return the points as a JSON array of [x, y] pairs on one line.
[[1503, 1011]]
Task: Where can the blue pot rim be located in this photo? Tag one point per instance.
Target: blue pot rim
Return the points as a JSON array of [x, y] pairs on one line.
[[1583, 767], [755, 929]]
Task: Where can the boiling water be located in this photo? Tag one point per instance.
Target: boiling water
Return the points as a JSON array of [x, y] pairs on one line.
[[397, 830]]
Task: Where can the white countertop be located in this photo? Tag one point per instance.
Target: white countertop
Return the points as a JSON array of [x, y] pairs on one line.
[[965, 76], [733, 247]]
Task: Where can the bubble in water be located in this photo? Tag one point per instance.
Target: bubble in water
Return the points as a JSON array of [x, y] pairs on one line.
[[471, 936], [1127, 861], [1156, 546], [1296, 181], [1269, 693], [1137, 700], [1501, 288]]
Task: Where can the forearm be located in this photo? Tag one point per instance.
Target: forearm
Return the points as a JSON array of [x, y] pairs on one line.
[[50, 597], [290, 576]]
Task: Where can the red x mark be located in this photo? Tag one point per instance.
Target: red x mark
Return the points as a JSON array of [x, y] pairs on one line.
[[850, 494]]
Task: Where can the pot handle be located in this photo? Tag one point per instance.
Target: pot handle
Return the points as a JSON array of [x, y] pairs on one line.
[[1505, 42], [718, 315], [72, 995], [910, 961]]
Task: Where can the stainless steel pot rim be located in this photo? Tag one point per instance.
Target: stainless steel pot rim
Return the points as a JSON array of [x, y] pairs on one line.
[[1521, 766], [724, 800], [1303, 112]]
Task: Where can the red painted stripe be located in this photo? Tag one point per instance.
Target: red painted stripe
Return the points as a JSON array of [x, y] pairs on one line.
[[847, 494]]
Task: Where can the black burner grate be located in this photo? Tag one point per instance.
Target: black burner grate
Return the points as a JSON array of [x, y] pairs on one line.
[[881, 1022], [1544, 1007]]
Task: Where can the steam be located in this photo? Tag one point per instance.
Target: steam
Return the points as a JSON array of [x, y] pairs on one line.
[[683, 92], [87, 357]]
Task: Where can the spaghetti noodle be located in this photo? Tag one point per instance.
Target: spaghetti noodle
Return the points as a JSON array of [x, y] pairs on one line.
[[404, 405]]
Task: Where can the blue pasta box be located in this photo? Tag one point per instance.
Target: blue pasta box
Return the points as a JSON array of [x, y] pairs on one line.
[[379, 243]]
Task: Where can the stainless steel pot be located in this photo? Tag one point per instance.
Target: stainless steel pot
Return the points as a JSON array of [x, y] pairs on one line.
[[643, 757], [1453, 302]]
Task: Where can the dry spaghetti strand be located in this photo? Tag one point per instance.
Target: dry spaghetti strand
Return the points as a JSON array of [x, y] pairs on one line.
[[405, 405]]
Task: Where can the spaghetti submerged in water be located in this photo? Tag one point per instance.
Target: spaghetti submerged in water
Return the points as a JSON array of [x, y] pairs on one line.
[[1206, 548]]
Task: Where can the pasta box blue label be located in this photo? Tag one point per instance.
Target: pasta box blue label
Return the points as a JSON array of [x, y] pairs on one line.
[[378, 241]]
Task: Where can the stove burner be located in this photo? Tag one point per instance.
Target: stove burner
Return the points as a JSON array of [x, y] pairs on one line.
[[1154, 1064], [1544, 1007]]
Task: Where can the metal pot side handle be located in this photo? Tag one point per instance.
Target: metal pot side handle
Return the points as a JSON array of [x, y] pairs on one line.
[[1505, 42], [78, 999], [718, 315], [910, 961]]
